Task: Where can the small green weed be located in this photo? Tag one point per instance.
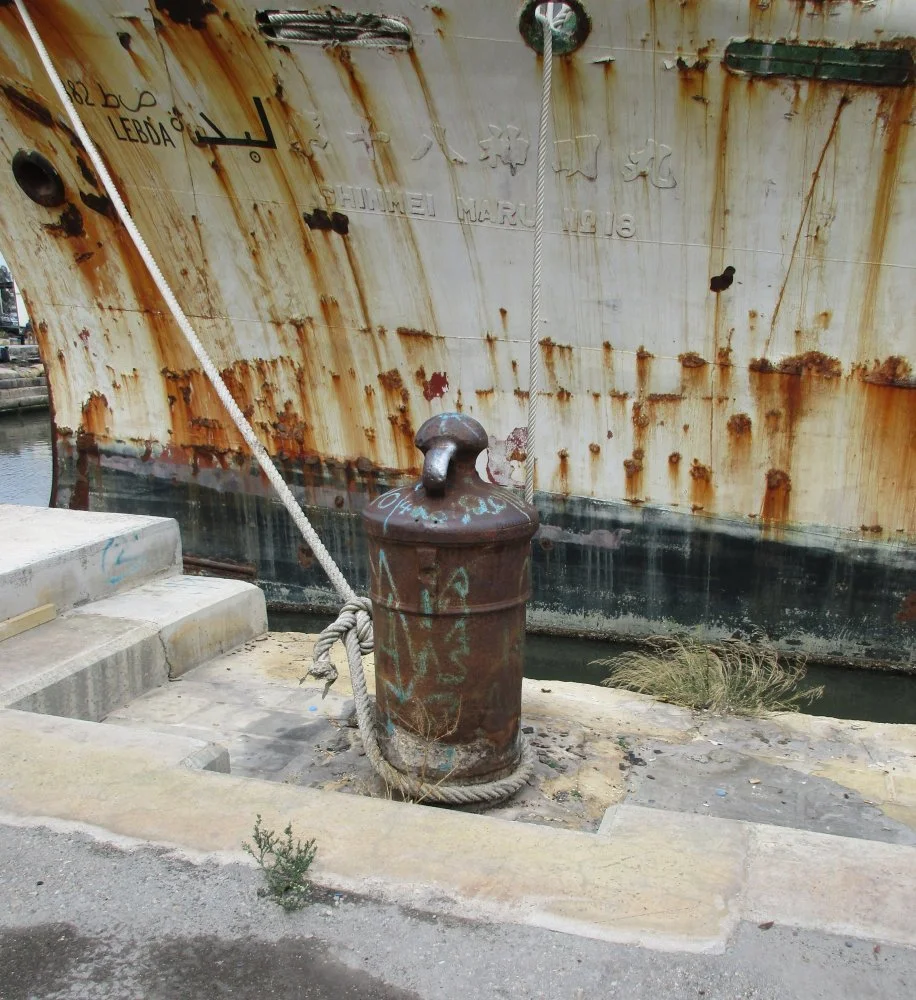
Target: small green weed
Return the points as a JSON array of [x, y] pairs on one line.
[[285, 864]]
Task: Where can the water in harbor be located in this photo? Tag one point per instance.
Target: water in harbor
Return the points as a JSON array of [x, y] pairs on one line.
[[25, 458], [869, 695]]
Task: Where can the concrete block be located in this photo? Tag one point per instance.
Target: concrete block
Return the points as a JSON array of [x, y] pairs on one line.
[[168, 750], [80, 668], [23, 353], [858, 888], [68, 558], [197, 617], [13, 400], [95, 659], [14, 380]]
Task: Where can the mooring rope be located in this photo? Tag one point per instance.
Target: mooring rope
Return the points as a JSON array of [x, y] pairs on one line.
[[354, 624], [534, 346]]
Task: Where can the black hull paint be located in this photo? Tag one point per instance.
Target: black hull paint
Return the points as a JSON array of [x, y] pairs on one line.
[[599, 569]]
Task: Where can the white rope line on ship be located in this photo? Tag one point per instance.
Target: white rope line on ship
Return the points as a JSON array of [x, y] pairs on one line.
[[534, 347], [354, 624]]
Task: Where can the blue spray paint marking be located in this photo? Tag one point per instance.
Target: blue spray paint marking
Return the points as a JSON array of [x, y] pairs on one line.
[[423, 657], [401, 690], [120, 562], [479, 507]]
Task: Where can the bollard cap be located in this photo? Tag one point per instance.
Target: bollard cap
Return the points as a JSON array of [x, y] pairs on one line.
[[451, 504], [444, 438]]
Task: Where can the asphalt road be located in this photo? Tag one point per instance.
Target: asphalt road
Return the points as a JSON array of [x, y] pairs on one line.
[[82, 918]]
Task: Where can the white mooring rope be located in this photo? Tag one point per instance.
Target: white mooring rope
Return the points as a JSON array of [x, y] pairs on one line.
[[354, 623], [534, 346]]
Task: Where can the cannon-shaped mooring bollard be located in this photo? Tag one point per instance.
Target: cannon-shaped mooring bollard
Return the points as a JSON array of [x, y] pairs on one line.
[[450, 574]]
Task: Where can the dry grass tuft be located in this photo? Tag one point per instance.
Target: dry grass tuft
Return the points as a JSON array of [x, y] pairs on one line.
[[732, 677]]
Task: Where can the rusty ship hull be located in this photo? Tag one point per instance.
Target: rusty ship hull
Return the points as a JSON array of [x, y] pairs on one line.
[[727, 438]]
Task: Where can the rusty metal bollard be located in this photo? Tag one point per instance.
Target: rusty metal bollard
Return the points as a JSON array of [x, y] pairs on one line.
[[450, 574]]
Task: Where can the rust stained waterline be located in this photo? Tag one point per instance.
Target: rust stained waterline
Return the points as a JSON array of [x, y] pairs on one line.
[[797, 364], [739, 428], [397, 398], [702, 492], [777, 496], [887, 421], [640, 419], [893, 371]]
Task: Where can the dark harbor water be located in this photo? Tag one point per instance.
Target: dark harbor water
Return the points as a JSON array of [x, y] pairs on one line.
[[869, 695], [25, 478], [25, 458]]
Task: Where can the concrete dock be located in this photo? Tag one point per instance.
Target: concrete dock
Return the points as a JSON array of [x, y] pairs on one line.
[[155, 711]]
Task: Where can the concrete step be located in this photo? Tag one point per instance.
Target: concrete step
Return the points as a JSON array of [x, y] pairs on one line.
[[197, 617], [23, 395], [23, 353], [97, 658], [23, 382], [69, 558], [251, 703], [14, 400]]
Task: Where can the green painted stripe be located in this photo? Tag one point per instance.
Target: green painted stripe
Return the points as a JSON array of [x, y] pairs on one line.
[[891, 67]]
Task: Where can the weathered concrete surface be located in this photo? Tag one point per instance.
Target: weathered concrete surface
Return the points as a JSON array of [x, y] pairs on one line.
[[660, 885], [68, 558], [596, 747], [138, 623], [196, 617], [24, 353], [80, 669], [23, 387]]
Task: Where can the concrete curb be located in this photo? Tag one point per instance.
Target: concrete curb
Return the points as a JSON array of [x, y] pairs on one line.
[[83, 670], [663, 880]]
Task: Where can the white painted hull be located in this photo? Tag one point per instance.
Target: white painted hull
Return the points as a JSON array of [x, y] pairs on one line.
[[779, 404]]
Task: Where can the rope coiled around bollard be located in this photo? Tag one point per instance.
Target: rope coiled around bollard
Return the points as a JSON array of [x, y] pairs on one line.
[[353, 627]]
